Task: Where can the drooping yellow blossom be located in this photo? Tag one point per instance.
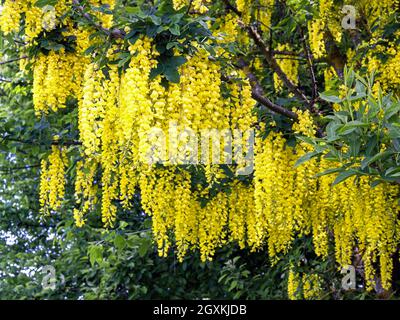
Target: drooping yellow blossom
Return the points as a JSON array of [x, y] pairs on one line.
[[85, 190], [289, 66], [294, 285], [312, 286], [199, 6], [56, 77], [37, 19], [316, 34], [264, 13], [52, 181], [11, 15]]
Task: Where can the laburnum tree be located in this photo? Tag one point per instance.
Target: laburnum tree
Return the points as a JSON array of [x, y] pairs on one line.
[[319, 92]]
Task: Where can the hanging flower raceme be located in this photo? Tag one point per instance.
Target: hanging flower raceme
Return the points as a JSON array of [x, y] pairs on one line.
[[306, 286], [37, 19], [52, 181], [289, 66], [11, 15], [57, 76], [199, 6]]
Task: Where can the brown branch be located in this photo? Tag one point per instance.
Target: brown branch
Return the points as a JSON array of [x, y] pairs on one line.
[[231, 7], [114, 33], [8, 169], [13, 60], [269, 57], [288, 53], [257, 93], [290, 58], [257, 90], [55, 143], [310, 64]]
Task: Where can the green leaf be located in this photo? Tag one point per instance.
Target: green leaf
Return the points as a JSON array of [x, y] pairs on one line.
[[172, 75], [379, 156], [330, 98], [233, 285], [175, 30], [131, 10], [144, 247], [305, 158], [393, 172], [96, 254], [351, 127], [43, 3], [156, 20], [119, 242], [343, 176], [172, 44], [328, 171]]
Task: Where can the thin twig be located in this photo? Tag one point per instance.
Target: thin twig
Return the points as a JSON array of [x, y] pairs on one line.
[[269, 57], [310, 64], [56, 143], [8, 169], [288, 53], [13, 60], [231, 7], [114, 33]]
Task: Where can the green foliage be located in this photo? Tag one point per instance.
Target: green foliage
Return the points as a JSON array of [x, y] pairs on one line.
[[363, 134]]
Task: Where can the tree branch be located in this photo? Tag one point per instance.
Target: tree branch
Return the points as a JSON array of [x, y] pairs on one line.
[[115, 33], [257, 93], [8, 169], [56, 143], [232, 8], [253, 33], [310, 64], [13, 60], [288, 53]]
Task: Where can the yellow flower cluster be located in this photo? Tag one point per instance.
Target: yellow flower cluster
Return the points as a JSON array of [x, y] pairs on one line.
[[389, 79], [91, 110], [289, 66], [294, 285], [37, 19], [105, 18], [377, 12], [264, 13], [115, 114], [199, 6], [109, 150], [292, 201], [167, 195], [52, 180], [306, 286], [228, 29], [316, 34], [312, 286], [328, 19], [118, 109], [85, 190], [56, 77], [11, 15], [245, 8], [305, 125]]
